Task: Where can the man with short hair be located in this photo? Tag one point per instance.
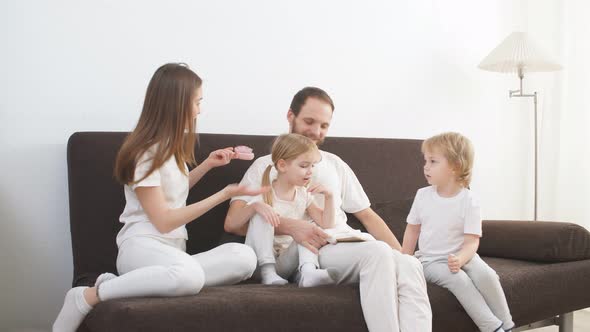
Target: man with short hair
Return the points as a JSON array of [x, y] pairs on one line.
[[392, 285]]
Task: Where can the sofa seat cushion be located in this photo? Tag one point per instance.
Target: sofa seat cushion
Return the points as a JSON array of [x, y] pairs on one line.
[[534, 291], [244, 307]]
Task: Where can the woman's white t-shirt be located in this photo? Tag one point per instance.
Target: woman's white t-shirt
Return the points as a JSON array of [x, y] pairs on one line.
[[174, 184]]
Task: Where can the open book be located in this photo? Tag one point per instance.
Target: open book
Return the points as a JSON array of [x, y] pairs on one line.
[[347, 235]]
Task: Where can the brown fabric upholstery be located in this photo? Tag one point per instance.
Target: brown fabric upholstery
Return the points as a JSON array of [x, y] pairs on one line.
[[390, 171]]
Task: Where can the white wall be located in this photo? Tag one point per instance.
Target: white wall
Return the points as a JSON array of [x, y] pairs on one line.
[[572, 190], [394, 68], [564, 109]]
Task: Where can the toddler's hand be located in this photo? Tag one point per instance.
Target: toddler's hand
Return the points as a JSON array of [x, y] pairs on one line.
[[454, 263], [319, 189]]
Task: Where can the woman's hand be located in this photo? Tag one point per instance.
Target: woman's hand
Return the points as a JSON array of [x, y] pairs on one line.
[[267, 212], [320, 189], [220, 157], [232, 190]]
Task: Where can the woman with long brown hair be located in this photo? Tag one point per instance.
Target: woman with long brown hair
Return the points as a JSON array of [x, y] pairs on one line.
[[152, 166]]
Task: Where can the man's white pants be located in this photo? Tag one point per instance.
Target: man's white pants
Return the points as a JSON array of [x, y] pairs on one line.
[[392, 285], [415, 313]]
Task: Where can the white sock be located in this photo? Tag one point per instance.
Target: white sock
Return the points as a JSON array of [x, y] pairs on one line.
[[307, 267], [73, 311], [270, 276], [508, 329], [104, 277], [312, 276]]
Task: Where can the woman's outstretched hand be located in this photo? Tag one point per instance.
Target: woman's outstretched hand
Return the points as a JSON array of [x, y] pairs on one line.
[[234, 189]]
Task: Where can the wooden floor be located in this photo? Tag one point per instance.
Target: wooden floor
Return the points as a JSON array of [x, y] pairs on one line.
[[581, 323]]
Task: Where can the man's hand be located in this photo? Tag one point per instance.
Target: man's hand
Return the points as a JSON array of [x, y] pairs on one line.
[[309, 235]]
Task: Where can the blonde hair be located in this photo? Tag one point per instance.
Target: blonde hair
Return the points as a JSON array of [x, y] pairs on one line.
[[458, 151], [285, 147]]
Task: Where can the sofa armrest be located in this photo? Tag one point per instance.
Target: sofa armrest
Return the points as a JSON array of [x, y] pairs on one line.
[[540, 241]]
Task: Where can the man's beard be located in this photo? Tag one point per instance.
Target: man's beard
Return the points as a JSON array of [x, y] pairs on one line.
[[295, 131]]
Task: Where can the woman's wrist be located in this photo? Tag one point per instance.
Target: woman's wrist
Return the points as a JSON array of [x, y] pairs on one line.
[[225, 193], [205, 166]]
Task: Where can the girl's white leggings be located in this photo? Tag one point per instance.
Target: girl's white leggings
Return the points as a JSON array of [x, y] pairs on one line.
[[260, 237]]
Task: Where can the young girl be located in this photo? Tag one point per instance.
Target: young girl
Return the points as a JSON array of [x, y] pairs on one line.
[[294, 157], [152, 166], [445, 219]]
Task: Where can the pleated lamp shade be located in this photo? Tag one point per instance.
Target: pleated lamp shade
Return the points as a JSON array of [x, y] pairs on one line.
[[518, 53]]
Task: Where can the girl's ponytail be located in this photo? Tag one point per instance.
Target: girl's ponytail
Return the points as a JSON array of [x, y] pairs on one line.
[[267, 196]]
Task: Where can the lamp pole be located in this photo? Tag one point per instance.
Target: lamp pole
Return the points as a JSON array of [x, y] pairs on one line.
[[519, 93]]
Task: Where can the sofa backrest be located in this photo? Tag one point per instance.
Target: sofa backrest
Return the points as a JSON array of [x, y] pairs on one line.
[[390, 171]]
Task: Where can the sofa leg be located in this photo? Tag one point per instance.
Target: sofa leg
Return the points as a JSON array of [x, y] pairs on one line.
[[566, 322]]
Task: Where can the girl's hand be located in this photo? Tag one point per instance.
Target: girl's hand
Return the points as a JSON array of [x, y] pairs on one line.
[[319, 189], [220, 157], [454, 263], [232, 190], [267, 212]]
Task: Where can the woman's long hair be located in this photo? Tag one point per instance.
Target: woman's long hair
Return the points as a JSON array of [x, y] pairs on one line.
[[286, 147], [166, 123]]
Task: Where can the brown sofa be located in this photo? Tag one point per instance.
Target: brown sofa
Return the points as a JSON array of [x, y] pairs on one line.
[[544, 267]]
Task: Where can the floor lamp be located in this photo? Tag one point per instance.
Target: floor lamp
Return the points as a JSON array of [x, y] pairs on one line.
[[519, 54]]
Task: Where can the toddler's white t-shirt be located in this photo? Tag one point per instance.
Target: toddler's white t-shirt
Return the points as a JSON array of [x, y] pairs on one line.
[[444, 221]]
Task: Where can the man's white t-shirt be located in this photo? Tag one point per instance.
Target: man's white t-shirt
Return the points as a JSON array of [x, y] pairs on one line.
[[444, 221], [174, 184], [333, 173]]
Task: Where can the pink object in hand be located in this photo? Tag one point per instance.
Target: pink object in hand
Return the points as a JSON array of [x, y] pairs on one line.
[[243, 152]]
